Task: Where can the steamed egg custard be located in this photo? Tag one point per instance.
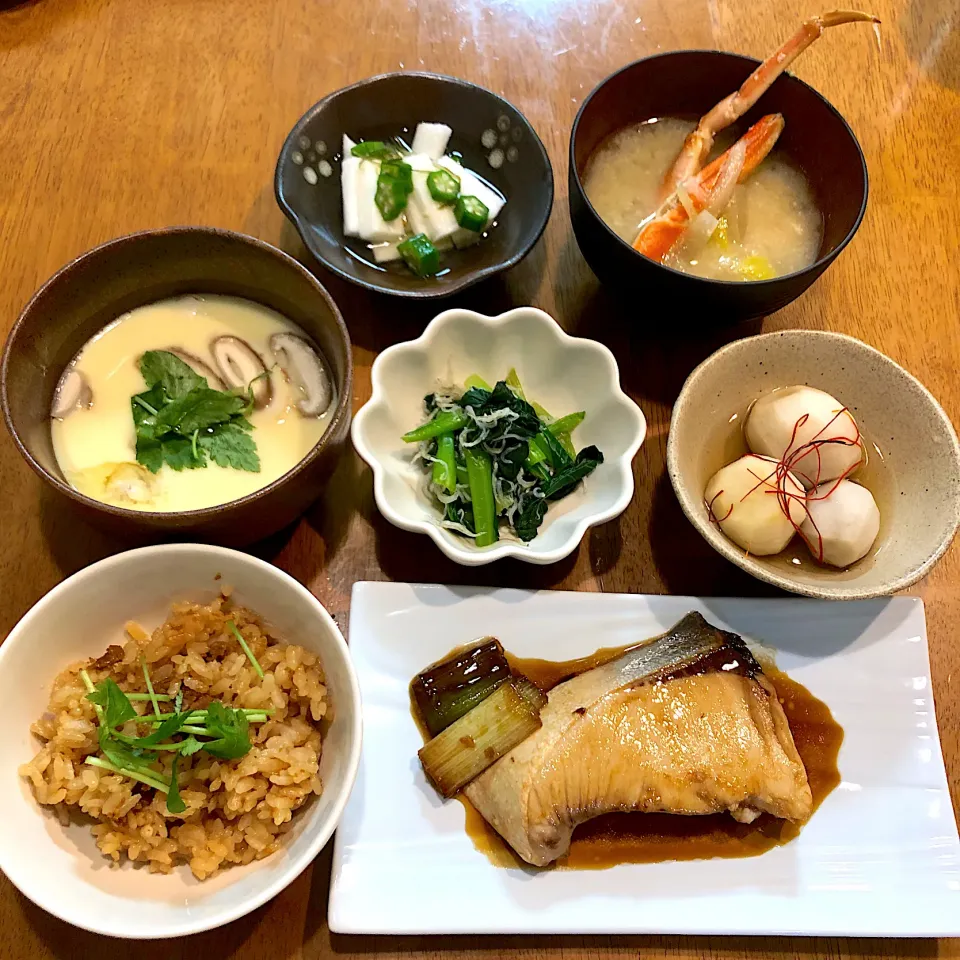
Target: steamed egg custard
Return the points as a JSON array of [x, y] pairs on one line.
[[235, 394]]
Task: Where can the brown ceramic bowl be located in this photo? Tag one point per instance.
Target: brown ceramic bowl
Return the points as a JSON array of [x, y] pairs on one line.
[[381, 108], [687, 83], [142, 268]]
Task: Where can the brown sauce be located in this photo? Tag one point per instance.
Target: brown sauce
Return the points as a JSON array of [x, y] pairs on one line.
[[656, 837]]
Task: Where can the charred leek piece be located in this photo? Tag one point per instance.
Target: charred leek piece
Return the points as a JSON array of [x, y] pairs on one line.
[[447, 691], [480, 738]]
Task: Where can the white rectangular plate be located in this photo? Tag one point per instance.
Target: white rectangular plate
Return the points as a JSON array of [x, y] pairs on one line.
[[880, 857]]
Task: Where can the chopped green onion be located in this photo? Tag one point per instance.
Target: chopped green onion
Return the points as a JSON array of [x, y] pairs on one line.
[[246, 649], [373, 150], [420, 255], [443, 186], [447, 421], [471, 213]]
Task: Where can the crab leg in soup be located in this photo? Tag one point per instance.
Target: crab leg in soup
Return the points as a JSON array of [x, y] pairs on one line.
[[699, 143]]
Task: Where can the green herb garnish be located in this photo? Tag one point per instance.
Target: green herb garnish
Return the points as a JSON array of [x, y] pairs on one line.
[[180, 420], [243, 645], [220, 730]]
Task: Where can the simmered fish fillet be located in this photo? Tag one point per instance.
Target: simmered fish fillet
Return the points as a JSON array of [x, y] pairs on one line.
[[685, 724]]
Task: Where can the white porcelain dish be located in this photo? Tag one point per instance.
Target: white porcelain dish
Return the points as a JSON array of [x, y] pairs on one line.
[[879, 858], [561, 372], [60, 868]]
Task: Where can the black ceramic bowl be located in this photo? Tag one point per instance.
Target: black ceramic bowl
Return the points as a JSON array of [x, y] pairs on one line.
[[112, 279], [688, 83], [307, 180]]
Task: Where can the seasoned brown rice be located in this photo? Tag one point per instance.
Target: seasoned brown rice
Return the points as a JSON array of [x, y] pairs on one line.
[[237, 810]]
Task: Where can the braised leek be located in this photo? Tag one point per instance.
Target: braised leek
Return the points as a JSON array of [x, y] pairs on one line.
[[445, 692], [479, 738]]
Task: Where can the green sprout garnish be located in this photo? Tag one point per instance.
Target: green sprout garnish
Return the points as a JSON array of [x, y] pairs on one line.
[[243, 645], [220, 730]]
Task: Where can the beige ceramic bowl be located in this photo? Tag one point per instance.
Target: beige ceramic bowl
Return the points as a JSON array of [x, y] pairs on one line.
[[913, 468]]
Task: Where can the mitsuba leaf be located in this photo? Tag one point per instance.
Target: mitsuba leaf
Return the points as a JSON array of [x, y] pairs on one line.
[[142, 405], [149, 453], [190, 746], [121, 754], [178, 453], [166, 730], [166, 370], [113, 702], [199, 409], [174, 802], [230, 728], [230, 445], [565, 479]]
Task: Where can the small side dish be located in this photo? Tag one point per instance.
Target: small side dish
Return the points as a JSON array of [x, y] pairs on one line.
[[687, 723], [492, 456], [189, 403], [195, 744], [740, 216], [804, 444], [414, 202]]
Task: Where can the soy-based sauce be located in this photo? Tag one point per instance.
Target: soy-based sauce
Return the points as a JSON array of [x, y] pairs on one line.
[[655, 837]]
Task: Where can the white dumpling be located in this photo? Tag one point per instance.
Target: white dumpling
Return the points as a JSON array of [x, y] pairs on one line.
[[773, 429], [842, 523], [742, 498]]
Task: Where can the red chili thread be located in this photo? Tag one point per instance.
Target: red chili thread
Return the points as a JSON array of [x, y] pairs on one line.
[[785, 466]]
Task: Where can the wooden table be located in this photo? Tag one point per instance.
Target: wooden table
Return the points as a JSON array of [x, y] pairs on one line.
[[120, 115]]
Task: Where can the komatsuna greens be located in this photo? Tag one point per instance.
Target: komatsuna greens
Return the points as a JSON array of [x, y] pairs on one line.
[[493, 456]]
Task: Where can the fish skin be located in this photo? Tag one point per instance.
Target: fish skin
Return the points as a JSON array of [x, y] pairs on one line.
[[686, 723]]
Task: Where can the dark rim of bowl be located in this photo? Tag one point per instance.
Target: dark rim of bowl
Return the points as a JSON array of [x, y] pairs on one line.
[[821, 261], [344, 402], [426, 292]]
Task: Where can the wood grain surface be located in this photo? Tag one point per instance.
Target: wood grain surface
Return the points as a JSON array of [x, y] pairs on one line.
[[118, 115]]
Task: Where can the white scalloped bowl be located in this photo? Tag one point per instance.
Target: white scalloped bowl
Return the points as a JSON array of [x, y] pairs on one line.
[[561, 372]]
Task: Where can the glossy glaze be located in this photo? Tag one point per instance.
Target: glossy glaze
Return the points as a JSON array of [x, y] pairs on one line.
[[653, 838]]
